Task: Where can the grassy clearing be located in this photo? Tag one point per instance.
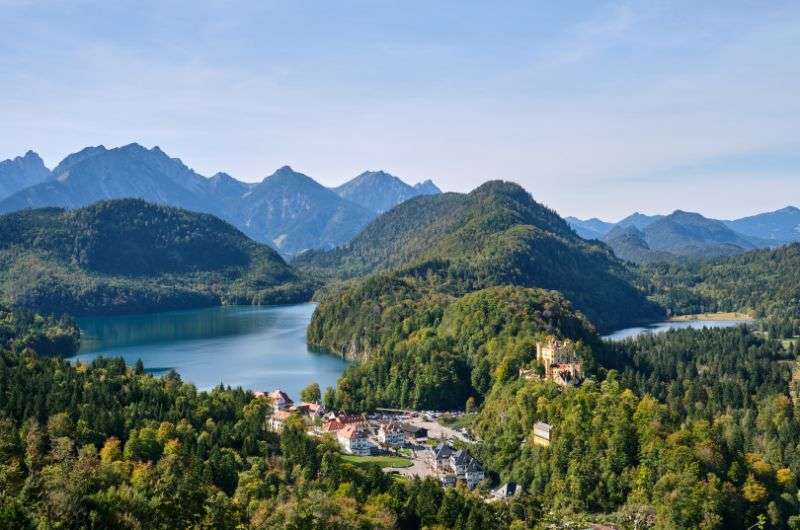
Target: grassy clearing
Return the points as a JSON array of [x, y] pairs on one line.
[[382, 460], [457, 422]]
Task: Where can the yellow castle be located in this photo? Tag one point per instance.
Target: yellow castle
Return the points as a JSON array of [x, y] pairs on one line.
[[559, 361]]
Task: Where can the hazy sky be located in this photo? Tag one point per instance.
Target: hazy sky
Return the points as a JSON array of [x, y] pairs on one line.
[[596, 108]]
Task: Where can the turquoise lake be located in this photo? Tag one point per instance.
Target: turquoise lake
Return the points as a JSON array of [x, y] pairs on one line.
[[258, 348]]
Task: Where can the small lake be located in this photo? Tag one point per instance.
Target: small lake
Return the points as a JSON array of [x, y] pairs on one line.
[[257, 348], [661, 327]]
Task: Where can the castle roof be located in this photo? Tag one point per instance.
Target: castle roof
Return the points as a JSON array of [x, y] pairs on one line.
[[352, 431], [333, 426], [280, 395]]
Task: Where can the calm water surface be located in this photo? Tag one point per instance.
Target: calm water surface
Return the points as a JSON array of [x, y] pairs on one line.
[[664, 326], [258, 348]]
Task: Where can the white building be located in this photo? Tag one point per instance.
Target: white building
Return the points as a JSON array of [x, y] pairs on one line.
[[541, 434], [473, 473], [280, 399], [441, 456], [277, 420], [391, 434], [466, 468], [353, 439], [506, 491]]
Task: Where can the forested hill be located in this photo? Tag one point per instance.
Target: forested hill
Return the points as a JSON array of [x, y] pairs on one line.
[[764, 282], [131, 256], [429, 350], [495, 235]]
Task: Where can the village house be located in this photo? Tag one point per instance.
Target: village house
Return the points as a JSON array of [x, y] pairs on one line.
[[414, 432], [507, 490], [345, 418], [280, 399], [277, 419], [473, 474], [391, 433], [308, 410], [459, 462], [353, 439], [466, 468], [452, 465], [332, 426], [441, 456], [314, 409], [333, 422], [541, 434]]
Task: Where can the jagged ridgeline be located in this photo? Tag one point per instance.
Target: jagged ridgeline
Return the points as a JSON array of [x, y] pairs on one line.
[[495, 235], [131, 256]]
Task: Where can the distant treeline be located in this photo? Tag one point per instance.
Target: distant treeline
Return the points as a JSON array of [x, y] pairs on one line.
[[766, 282]]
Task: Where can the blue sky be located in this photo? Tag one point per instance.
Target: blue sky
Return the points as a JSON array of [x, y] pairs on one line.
[[597, 108]]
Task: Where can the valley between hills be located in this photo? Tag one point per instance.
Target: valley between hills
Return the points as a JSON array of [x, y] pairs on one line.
[[486, 304]]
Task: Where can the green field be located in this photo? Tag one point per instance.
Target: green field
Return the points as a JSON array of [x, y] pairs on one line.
[[383, 461], [457, 422]]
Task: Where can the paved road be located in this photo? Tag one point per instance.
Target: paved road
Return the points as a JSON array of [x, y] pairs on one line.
[[420, 465], [437, 430]]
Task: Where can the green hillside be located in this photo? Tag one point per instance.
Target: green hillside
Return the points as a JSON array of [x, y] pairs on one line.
[[131, 256], [495, 235], [764, 282], [426, 350], [21, 330]]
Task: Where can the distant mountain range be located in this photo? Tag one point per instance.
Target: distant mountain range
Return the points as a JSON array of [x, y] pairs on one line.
[[648, 238], [21, 172], [287, 210], [379, 191]]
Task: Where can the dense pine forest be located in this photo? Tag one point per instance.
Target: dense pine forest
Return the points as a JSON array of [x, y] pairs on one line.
[[108, 446], [688, 429], [764, 282], [428, 351], [127, 256]]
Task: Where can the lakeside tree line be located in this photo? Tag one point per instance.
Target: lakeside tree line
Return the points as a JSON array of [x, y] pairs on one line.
[[109, 446]]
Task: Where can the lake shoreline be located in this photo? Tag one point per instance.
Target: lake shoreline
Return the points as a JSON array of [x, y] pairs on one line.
[[661, 327], [255, 347], [713, 317]]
